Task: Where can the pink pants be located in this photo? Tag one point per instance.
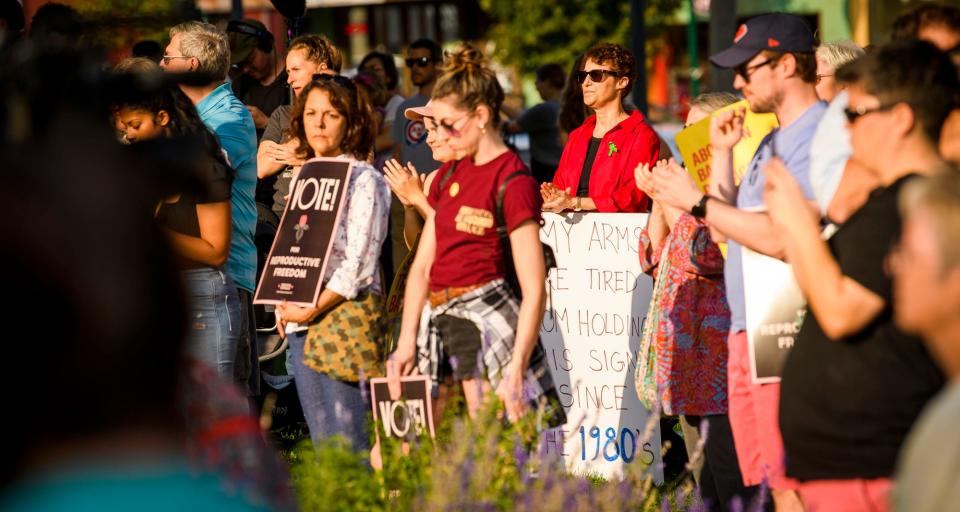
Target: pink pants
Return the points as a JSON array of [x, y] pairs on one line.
[[855, 495], [753, 419]]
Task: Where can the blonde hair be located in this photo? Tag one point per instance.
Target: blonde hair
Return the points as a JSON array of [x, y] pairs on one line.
[[940, 195], [838, 53], [319, 50], [467, 77], [207, 44], [710, 102]]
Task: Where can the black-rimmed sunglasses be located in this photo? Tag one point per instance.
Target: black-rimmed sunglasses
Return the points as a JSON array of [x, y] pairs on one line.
[[745, 71], [338, 79], [419, 62], [596, 75], [856, 113]]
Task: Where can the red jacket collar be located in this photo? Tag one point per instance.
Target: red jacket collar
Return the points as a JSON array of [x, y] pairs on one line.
[[631, 122]]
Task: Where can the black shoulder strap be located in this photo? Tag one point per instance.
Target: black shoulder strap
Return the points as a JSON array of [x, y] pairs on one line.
[[446, 176], [501, 194], [511, 272]]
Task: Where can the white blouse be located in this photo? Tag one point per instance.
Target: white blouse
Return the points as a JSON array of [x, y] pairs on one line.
[[354, 262]]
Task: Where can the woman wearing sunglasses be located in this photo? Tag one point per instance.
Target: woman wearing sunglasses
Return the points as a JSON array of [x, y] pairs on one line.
[[596, 168], [337, 343], [476, 332]]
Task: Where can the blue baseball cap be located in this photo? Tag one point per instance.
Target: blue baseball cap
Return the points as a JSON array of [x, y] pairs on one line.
[[777, 32]]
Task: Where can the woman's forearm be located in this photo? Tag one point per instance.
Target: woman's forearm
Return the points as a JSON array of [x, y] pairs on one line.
[[212, 247], [412, 224], [418, 281], [196, 249]]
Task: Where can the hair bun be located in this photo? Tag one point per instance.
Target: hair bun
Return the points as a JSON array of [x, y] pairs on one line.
[[465, 58]]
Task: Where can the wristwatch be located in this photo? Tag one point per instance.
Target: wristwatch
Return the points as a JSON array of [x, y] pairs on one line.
[[699, 210], [577, 208]]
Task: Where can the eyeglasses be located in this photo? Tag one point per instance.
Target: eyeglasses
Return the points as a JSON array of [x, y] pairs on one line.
[[596, 75], [821, 77], [420, 61], [168, 58], [860, 111], [745, 71], [450, 129]]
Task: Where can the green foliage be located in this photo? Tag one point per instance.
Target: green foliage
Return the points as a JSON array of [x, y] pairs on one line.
[[531, 33], [338, 478], [486, 464], [116, 24]]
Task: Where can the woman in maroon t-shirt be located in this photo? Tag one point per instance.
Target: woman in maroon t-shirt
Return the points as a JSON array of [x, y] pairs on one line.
[[475, 330]]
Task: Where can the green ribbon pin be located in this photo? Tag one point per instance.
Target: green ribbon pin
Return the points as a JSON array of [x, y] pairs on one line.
[[611, 149]]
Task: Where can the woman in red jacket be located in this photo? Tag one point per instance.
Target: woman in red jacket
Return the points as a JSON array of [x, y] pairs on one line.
[[596, 168]]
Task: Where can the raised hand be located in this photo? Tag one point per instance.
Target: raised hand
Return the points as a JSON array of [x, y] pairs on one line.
[[404, 181], [726, 128]]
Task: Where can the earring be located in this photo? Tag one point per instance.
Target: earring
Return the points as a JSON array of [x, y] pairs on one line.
[[483, 129]]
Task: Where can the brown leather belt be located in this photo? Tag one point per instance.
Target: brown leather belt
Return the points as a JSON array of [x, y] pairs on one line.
[[447, 294]]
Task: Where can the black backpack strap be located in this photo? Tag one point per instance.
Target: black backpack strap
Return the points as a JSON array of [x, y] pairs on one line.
[[511, 272], [501, 194], [447, 175]]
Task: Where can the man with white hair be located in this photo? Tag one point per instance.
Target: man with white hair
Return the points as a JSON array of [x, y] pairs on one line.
[[197, 47], [830, 149], [830, 56]]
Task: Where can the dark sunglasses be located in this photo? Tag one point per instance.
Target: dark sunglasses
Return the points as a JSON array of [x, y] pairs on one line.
[[745, 71], [857, 113], [596, 75], [421, 62], [338, 79]]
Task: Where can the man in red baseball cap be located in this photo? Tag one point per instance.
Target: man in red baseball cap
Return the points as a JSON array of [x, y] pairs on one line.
[[773, 58]]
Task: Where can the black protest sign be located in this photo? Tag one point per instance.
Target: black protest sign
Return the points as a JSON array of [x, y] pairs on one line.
[[404, 417], [775, 309], [298, 258]]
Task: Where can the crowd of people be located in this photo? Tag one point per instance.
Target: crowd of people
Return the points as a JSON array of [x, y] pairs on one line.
[[857, 189]]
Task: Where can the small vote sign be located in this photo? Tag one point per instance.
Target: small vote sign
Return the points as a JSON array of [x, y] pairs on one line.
[[406, 416]]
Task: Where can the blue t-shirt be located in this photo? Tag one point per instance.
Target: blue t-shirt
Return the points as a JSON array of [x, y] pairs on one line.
[[792, 144], [113, 489], [231, 122]]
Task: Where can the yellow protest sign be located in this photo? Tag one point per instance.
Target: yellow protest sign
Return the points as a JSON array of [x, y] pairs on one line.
[[694, 144]]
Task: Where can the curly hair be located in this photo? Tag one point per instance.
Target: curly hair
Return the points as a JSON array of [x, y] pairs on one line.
[[618, 58], [184, 120], [352, 102], [319, 50], [467, 77]]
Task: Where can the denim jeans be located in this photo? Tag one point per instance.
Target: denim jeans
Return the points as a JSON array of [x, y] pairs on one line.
[[330, 406], [214, 318]]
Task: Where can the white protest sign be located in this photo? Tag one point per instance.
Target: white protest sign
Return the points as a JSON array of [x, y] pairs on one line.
[[591, 334]]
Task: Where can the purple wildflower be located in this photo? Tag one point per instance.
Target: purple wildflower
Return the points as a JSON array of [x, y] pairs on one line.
[[701, 443], [762, 496], [364, 391], [736, 504]]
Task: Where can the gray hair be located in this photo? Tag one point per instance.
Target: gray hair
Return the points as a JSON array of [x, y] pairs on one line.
[[207, 44], [838, 53], [712, 101]]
